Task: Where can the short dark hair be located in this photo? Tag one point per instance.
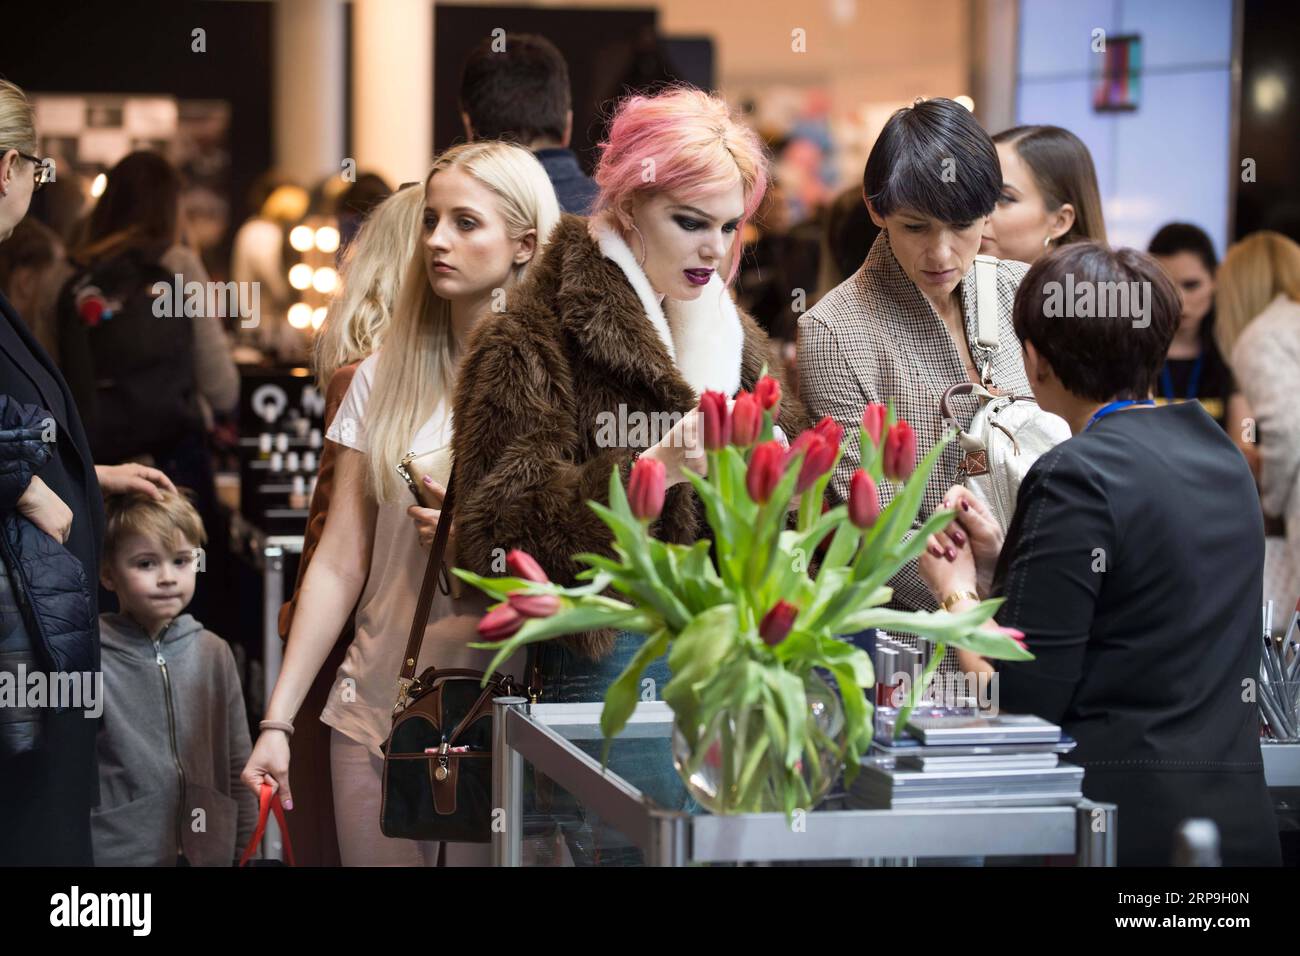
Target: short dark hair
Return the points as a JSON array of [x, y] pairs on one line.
[[518, 94], [934, 158], [1098, 357], [1175, 237]]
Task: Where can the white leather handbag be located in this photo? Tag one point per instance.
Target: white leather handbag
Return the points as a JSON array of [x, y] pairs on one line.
[[1009, 432]]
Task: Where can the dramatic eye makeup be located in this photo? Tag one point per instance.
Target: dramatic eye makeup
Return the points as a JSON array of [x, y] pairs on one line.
[[692, 219]]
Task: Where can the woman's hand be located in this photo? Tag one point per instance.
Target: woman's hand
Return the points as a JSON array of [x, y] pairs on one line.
[[426, 519], [681, 449], [269, 762], [947, 568], [976, 524], [122, 479], [43, 508]]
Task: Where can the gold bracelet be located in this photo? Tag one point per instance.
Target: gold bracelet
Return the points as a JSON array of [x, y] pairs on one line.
[[952, 599]]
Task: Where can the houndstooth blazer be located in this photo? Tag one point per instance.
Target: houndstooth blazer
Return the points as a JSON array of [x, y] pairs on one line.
[[873, 338]]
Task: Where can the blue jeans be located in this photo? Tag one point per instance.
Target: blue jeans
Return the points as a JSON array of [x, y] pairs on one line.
[[645, 762]]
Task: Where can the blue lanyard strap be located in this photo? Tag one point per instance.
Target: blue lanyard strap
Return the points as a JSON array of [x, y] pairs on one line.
[[1113, 407], [1193, 380]]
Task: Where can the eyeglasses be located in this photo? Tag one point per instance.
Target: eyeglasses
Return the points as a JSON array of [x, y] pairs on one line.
[[44, 172]]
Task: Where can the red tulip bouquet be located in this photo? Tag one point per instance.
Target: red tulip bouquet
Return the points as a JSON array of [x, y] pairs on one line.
[[748, 630]]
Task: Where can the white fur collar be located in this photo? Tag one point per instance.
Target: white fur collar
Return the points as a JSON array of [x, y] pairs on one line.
[[704, 337]]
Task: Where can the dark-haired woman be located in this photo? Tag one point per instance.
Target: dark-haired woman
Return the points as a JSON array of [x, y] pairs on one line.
[[1194, 369], [903, 327], [1049, 194], [1133, 566]]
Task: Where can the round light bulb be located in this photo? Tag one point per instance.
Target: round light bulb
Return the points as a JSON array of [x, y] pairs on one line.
[[300, 276], [325, 279], [327, 239], [300, 315], [318, 317], [301, 238], [965, 101], [99, 185]]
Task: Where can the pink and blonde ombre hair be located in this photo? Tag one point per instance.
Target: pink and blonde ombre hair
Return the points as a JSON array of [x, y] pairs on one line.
[[695, 144]]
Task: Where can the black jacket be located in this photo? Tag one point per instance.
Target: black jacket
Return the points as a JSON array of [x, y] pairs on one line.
[[1134, 565], [46, 796]]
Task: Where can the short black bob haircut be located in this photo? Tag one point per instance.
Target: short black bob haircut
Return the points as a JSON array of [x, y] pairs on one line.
[[1102, 355], [933, 158], [518, 94]]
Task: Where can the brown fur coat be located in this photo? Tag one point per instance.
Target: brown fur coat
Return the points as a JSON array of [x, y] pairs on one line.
[[584, 342]]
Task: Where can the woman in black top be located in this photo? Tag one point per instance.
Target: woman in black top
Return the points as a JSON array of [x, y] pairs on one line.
[[1134, 567], [1193, 367]]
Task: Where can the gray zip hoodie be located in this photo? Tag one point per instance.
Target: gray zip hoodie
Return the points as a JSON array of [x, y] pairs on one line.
[[173, 741]]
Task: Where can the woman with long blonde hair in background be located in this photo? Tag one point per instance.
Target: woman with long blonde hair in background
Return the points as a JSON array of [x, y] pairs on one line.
[[358, 316], [1257, 323], [487, 211]]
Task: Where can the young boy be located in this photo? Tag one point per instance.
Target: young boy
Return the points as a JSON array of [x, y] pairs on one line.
[[174, 736]]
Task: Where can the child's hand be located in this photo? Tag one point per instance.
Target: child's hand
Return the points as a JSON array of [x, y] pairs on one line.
[[269, 761]]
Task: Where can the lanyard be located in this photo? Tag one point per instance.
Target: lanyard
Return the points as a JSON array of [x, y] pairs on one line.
[[1105, 410], [1193, 380]]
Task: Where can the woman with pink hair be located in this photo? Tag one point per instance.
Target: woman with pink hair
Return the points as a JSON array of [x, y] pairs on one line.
[[602, 357]]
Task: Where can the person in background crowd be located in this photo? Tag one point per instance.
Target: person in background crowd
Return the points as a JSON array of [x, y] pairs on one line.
[[521, 94], [258, 256], [355, 204], [52, 514], [152, 380], [361, 311], [487, 210], [900, 328], [1194, 369], [780, 269], [847, 237], [1049, 194], [33, 268], [1145, 678], [1257, 325], [627, 313], [170, 748]]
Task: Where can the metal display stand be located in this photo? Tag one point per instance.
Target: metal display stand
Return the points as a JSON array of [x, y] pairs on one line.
[[543, 735], [1281, 763]]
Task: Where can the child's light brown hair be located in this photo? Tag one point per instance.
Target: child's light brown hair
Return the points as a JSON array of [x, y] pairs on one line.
[[157, 520]]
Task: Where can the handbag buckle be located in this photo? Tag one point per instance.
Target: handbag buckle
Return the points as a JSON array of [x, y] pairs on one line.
[[404, 685]]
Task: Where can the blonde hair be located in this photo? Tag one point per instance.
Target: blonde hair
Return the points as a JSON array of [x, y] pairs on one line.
[[156, 519], [417, 366], [17, 120], [1253, 273], [371, 274]]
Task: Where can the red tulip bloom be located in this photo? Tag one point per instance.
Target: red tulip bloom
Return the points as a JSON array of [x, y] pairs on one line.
[[777, 623], [645, 489], [766, 466], [523, 565], [864, 503], [500, 623], [873, 420], [768, 393], [534, 605], [831, 431], [900, 452], [746, 420], [818, 455], [1011, 632], [717, 420]]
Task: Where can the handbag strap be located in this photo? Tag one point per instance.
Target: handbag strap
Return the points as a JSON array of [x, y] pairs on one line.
[[267, 801], [435, 575], [986, 302]]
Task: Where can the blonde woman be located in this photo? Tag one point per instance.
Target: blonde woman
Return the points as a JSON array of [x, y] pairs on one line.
[[359, 314], [1257, 324], [487, 210]]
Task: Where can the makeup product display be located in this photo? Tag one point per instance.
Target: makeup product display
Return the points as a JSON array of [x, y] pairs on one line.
[[962, 757], [281, 423]]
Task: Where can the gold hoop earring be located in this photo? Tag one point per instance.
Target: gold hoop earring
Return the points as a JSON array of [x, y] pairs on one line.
[[1047, 242], [641, 261]]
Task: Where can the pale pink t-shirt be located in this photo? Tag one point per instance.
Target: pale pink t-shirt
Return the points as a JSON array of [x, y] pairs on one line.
[[361, 701]]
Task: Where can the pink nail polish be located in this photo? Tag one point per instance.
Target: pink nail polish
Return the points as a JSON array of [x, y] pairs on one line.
[[951, 554], [965, 506]]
